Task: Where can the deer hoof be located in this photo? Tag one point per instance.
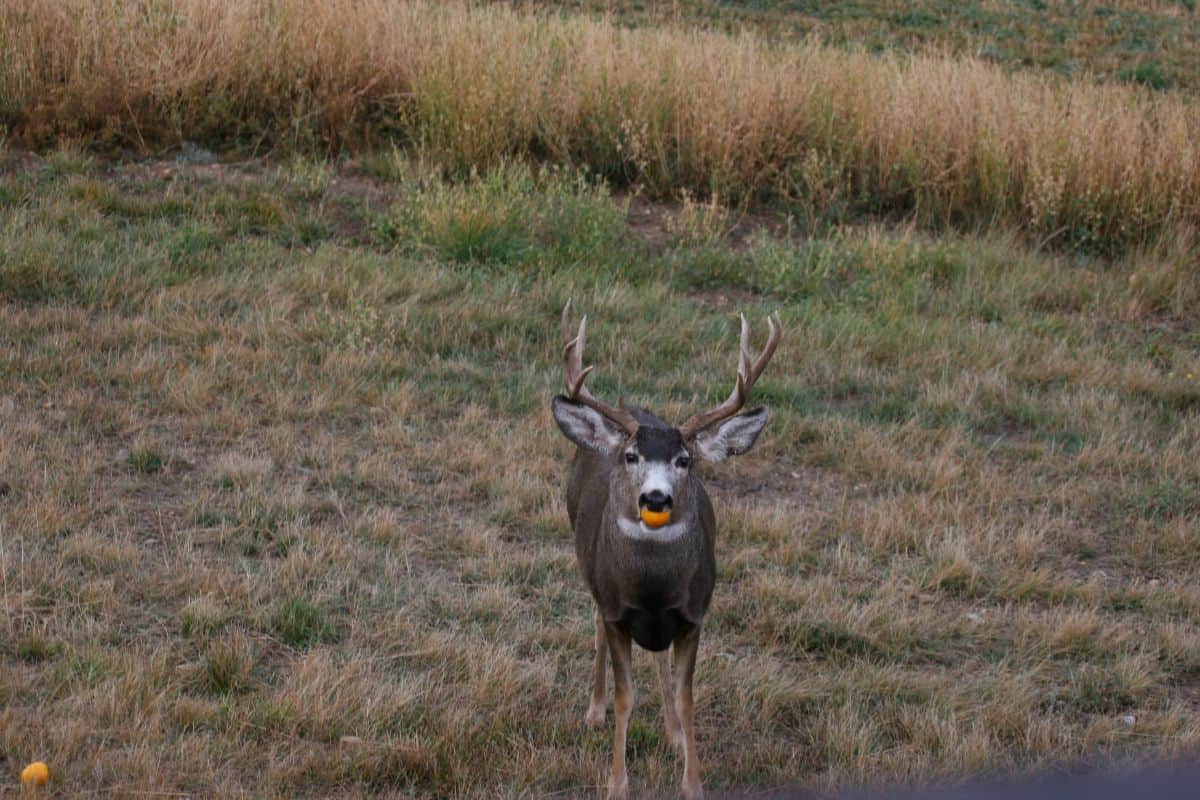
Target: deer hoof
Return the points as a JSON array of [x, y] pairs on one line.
[[619, 790], [595, 715], [693, 792]]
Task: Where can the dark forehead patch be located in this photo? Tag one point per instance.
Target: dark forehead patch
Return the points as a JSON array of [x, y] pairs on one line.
[[658, 444]]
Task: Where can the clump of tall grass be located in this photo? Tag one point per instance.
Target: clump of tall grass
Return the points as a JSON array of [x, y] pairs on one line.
[[514, 214], [833, 134]]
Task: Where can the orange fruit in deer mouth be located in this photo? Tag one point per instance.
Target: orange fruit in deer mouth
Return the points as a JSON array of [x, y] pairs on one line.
[[655, 519]]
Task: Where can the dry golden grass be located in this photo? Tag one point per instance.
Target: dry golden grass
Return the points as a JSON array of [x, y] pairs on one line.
[[831, 134], [280, 495], [1151, 43]]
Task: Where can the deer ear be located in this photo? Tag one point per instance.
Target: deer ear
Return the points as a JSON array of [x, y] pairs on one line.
[[587, 427], [732, 437]]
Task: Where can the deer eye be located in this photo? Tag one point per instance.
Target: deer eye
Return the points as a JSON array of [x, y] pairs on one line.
[[683, 462], [631, 458]]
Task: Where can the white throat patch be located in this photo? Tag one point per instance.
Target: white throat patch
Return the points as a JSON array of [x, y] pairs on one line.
[[640, 530]]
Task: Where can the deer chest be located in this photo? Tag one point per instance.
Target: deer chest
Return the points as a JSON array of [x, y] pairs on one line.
[[653, 628]]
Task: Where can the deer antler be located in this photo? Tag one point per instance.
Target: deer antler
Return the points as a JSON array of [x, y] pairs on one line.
[[574, 373], [747, 374]]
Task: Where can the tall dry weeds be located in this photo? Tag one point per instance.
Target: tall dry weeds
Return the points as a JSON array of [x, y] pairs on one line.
[[835, 134]]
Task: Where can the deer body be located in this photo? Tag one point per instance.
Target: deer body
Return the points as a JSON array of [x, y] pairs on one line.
[[652, 587], [645, 536]]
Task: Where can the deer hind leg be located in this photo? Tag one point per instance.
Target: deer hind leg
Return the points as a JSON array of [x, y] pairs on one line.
[[596, 710], [685, 668], [670, 715], [621, 648]]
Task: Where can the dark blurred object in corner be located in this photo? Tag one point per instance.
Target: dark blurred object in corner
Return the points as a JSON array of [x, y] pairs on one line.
[[1177, 781]]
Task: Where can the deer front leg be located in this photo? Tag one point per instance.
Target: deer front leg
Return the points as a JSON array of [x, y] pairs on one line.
[[621, 649], [670, 715], [595, 712], [685, 667]]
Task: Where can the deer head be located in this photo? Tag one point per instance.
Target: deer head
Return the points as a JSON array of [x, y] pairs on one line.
[[653, 460]]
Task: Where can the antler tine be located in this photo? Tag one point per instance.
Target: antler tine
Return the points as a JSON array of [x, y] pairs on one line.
[[743, 371], [573, 370], [773, 333], [568, 340], [574, 374], [747, 374]]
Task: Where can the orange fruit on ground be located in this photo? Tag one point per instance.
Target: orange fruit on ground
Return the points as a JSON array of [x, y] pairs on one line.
[[655, 519], [36, 774]]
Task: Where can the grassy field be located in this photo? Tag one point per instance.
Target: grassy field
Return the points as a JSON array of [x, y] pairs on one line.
[[825, 134], [1156, 44], [278, 469], [281, 504]]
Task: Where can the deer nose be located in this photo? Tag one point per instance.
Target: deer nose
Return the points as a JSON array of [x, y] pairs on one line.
[[655, 501]]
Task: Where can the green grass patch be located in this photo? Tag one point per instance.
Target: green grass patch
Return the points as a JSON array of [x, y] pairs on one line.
[[299, 623], [145, 460]]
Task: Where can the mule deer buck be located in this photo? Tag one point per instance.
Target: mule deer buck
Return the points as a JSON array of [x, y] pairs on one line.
[[644, 532]]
